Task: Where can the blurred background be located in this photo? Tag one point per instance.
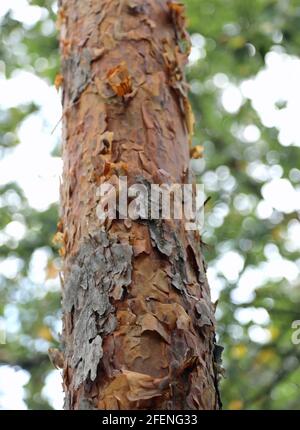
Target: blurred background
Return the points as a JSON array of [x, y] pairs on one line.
[[244, 76]]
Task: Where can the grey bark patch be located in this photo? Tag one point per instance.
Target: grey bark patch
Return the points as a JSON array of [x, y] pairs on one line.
[[204, 313], [101, 264], [92, 359], [166, 240], [168, 244], [159, 235], [78, 68], [67, 401], [85, 404]]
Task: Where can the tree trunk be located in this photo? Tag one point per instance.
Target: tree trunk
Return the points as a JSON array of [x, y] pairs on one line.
[[138, 320]]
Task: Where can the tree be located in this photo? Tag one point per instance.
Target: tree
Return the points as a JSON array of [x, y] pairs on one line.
[[138, 319]]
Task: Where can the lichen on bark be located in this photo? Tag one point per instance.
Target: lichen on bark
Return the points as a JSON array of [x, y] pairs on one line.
[[101, 267]]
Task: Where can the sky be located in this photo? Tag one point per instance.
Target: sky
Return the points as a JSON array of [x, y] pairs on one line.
[[38, 173]]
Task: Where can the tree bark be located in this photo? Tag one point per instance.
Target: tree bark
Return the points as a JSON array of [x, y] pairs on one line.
[[138, 323]]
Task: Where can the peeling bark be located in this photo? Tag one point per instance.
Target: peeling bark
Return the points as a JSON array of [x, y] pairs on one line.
[[139, 324]]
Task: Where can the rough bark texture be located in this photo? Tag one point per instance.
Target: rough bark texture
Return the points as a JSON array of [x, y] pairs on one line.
[[138, 319]]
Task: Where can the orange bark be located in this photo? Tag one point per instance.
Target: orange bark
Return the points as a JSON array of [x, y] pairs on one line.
[[138, 319]]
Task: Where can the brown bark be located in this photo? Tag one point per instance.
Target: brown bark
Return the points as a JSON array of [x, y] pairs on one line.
[[138, 319]]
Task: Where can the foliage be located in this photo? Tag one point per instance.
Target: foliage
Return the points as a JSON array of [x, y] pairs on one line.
[[231, 40]]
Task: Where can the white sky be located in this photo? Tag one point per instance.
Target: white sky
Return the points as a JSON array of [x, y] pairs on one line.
[[32, 166]]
